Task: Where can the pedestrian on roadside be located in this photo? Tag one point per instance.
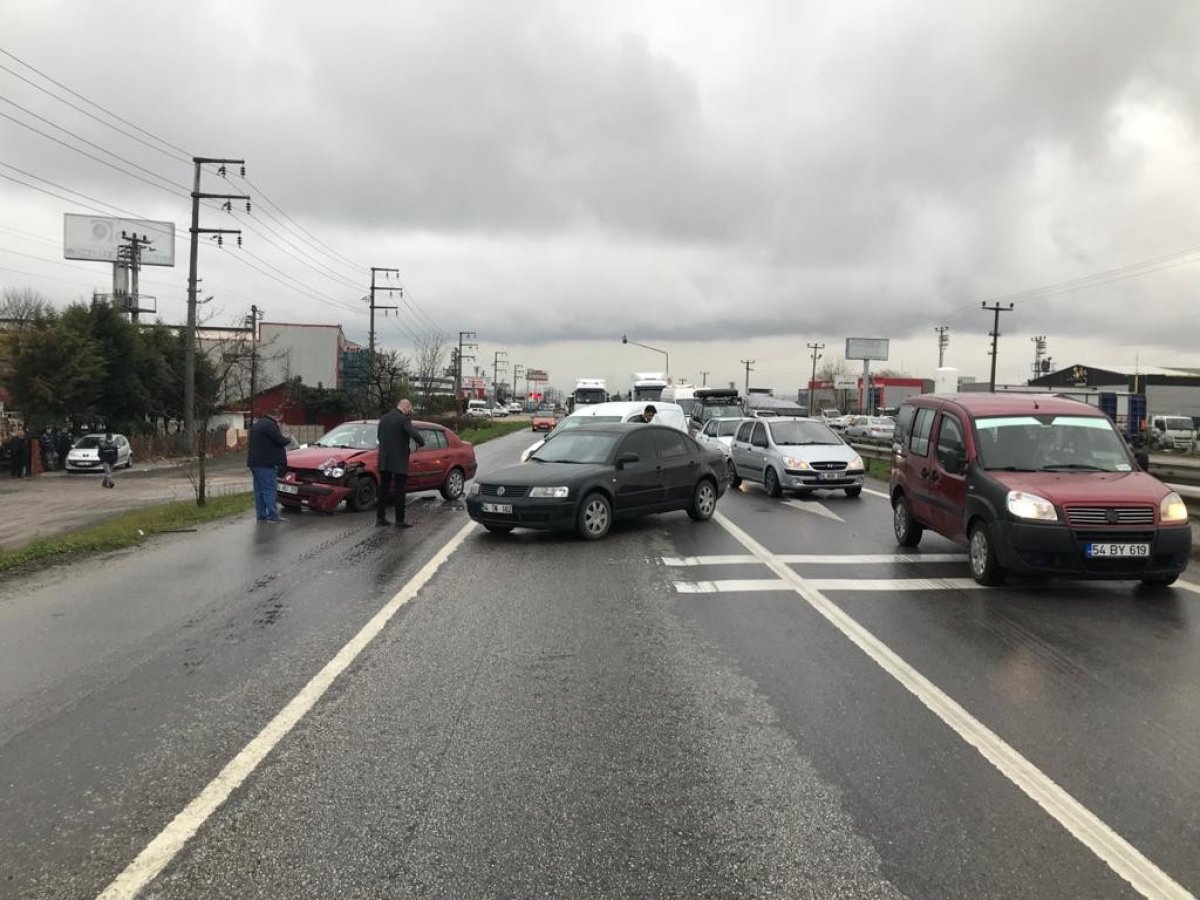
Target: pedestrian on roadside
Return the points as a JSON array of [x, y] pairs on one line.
[[49, 451], [108, 458], [20, 454], [267, 455], [396, 438]]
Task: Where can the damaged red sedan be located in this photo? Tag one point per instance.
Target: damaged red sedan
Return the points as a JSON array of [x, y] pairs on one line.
[[344, 466]]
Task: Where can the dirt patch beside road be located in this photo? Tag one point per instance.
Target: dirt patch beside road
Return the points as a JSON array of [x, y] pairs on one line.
[[57, 502]]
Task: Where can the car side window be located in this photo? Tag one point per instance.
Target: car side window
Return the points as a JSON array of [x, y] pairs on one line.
[[950, 444], [435, 439], [710, 430], [922, 426], [760, 436], [904, 420], [743, 433], [642, 443], [670, 444]]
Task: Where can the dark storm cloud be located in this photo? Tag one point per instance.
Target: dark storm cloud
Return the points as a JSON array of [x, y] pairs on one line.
[[549, 171]]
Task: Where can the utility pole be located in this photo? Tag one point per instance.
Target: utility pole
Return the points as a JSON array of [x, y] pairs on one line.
[[816, 354], [131, 257], [704, 377], [1039, 350], [518, 371], [465, 339], [995, 335], [254, 313], [372, 305], [497, 364], [748, 363], [943, 342], [189, 350]]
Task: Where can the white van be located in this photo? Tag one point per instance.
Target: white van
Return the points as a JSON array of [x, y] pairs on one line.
[[1172, 432], [682, 394], [480, 408], [669, 414]]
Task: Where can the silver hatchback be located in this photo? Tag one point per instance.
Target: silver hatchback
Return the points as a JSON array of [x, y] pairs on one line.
[[802, 455]]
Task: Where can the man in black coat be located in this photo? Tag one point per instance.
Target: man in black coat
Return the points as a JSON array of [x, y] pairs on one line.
[[396, 431], [267, 455]]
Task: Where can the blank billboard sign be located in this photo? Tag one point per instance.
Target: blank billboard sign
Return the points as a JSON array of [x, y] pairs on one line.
[[867, 348], [98, 238]]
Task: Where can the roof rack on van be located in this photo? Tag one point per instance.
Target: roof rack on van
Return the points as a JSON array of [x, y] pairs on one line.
[[716, 392]]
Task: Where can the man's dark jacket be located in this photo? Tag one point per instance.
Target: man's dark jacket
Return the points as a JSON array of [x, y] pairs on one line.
[[267, 445], [395, 430]]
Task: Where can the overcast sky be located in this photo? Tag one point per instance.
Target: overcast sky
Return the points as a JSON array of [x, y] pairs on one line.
[[720, 181]]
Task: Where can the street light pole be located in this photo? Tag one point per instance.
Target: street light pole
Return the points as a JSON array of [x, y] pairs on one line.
[[626, 340]]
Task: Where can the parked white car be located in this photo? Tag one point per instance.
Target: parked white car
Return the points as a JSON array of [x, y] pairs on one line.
[[719, 433], [670, 414], [498, 411], [85, 455]]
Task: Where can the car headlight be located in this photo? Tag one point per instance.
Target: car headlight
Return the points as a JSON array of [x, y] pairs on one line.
[[1172, 509], [333, 472], [1031, 506], [855, 462], [792, 463], [472, 488], [556, 492]]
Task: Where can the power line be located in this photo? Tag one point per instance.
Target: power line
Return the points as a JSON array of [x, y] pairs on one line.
[[95, 104], [103, 162], [62, 188], [84, 140], [346, 260], [92, 115]]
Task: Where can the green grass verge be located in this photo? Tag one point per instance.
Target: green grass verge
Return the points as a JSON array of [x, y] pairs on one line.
[[878, 468], [492, 428], [126, 529]]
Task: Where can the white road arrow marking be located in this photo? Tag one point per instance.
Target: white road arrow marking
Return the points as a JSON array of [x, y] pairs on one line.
[[811, 506]]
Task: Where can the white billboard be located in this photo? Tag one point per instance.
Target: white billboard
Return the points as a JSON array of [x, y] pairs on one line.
[[867, 348], [98, 238]]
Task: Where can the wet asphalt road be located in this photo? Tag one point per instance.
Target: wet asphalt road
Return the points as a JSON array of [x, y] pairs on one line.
[[552, 718]]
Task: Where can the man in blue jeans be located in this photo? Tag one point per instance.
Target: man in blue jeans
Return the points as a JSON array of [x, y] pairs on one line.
[[267, 456]]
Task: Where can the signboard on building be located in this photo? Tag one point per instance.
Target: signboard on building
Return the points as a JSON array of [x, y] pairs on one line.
[[98, 238], [845, 384], [867, 348], [536, 375]]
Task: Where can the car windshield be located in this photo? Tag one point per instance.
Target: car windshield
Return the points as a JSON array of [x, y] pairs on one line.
[[1051, 444], [577, 447], [351, 437], [88, 442], [1177, 423], [794, 432], [720, 412], [688, 404], [576, 421], [728, 428]]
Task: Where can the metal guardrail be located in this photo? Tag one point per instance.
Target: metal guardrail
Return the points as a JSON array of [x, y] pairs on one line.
[[1179, 477]]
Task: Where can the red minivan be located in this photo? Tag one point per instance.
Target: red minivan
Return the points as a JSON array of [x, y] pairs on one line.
[[1033, 484]]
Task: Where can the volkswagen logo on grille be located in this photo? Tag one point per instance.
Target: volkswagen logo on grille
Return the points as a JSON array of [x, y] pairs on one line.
[[500, 491], [1112, 517]]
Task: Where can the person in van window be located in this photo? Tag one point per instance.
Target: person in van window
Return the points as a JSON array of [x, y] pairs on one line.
[[649, 413]]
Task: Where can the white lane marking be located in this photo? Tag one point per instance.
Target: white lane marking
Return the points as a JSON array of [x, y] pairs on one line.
[[892, 584], [1121, 856], [816, 559], [741, 585], [1188, 586], [164, 848], [877, 494], [708, 560], [811, 506]]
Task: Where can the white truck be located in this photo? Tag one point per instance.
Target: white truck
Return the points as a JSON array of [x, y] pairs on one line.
[[1172, 432], [649, 385], [588, 391]]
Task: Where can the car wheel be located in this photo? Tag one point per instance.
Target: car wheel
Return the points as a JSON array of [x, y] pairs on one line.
[[908, 531], [595, 517], [454, 485], [854, 491], [129, 462], [981, 555], [771, 483], [363, 495], [735, 480], [499, 529], [704, 501]]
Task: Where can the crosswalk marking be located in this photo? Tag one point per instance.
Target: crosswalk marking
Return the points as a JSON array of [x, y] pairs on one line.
[[756, 585], [817, 559], [893, 584], [816, 509], [743, 585]]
